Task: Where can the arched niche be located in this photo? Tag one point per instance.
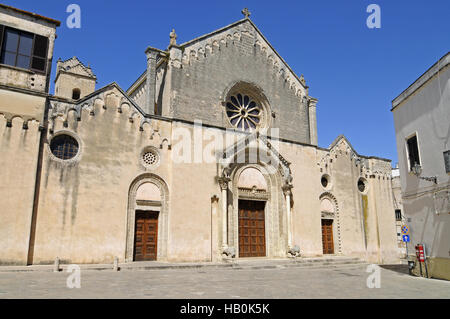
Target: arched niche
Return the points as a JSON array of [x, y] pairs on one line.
[[252, 178], [148, 192], [326, 206]]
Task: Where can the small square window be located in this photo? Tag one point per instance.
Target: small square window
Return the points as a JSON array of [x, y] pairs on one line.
[[398, 215], [447, 161]]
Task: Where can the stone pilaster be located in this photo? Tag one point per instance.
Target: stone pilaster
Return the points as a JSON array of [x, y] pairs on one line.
[[152, 55], [288, 193], [312, 103], [223, 182]]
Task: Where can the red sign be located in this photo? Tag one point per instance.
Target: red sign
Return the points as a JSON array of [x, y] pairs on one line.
[[420, 253]]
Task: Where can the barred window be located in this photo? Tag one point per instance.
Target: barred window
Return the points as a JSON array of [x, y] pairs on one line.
[[64, 147]]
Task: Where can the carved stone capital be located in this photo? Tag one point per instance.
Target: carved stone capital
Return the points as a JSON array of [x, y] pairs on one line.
[[214, 199], [312, 102], [287, 189], [223, 182], [152, 53]]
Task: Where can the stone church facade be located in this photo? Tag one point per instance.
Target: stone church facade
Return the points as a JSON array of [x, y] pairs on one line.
[[211, 154]]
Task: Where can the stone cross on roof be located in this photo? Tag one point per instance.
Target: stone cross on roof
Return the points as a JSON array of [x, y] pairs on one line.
[[245, 12]]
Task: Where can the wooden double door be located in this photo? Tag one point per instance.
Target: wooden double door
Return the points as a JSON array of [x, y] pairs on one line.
[[252, 232], [327, 236], [146, 236]]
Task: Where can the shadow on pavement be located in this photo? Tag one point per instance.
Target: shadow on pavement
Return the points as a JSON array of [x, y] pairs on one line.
[[403, 269]]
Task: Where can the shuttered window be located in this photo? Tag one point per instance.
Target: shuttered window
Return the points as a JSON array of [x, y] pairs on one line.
[[1, 34], [413, 152], [23, 49], [447, 161]]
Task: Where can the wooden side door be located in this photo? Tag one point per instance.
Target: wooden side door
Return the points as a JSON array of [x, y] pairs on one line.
[[146, 236], [327, 236], [252, 233]]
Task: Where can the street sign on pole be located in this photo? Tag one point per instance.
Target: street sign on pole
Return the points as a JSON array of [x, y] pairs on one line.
[[406, 238], [405, 230]]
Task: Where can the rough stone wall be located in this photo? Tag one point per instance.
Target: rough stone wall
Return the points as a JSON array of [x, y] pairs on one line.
[[67, 82], [21, 115], [139, 95], [18, 160], [83, 203], [200, 80], [367, 223], [306, 221], [344, 174], [423, 109]]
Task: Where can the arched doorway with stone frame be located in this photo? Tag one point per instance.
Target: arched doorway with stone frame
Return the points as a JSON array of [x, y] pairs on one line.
[[147, 219], [276, 196], [330, 224]]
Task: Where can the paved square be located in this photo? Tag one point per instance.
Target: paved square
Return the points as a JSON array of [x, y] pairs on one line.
[[346, 281]]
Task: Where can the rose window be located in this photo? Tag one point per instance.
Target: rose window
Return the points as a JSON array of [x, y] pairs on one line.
[[150, 158], [243, 112]]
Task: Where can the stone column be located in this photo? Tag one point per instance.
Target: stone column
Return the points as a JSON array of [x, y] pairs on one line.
[[223, 181], [215, 253], [312, 120], [152, 54], [287, 193]]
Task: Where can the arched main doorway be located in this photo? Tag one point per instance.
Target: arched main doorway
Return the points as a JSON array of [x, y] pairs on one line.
[[252, 192]]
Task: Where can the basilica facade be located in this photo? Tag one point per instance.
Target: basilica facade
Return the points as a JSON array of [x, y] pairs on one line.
[[210, 155]]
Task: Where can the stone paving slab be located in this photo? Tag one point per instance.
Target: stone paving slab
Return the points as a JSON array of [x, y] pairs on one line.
[[344, 281]]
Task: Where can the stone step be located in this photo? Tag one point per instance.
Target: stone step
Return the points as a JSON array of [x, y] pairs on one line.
[[301, 264], [234, 264]]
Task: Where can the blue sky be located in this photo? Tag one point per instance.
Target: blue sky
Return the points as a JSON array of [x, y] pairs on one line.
[[354, 71]]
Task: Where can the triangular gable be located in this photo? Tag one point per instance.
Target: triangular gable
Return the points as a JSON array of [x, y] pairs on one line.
[[344, 140], [234, 31], [231, 155], [75, 66]]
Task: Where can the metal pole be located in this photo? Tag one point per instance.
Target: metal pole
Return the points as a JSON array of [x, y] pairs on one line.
[[425, 260]]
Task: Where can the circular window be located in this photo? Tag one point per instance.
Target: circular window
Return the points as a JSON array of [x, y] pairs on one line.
[[64, 146], [150, 157], [243, 112], [324, 181], [362, 185]]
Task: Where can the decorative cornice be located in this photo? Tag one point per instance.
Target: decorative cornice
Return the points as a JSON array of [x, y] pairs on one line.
[[422, 80]]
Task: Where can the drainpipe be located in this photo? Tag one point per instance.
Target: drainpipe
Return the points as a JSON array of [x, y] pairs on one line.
[[42, 138]]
